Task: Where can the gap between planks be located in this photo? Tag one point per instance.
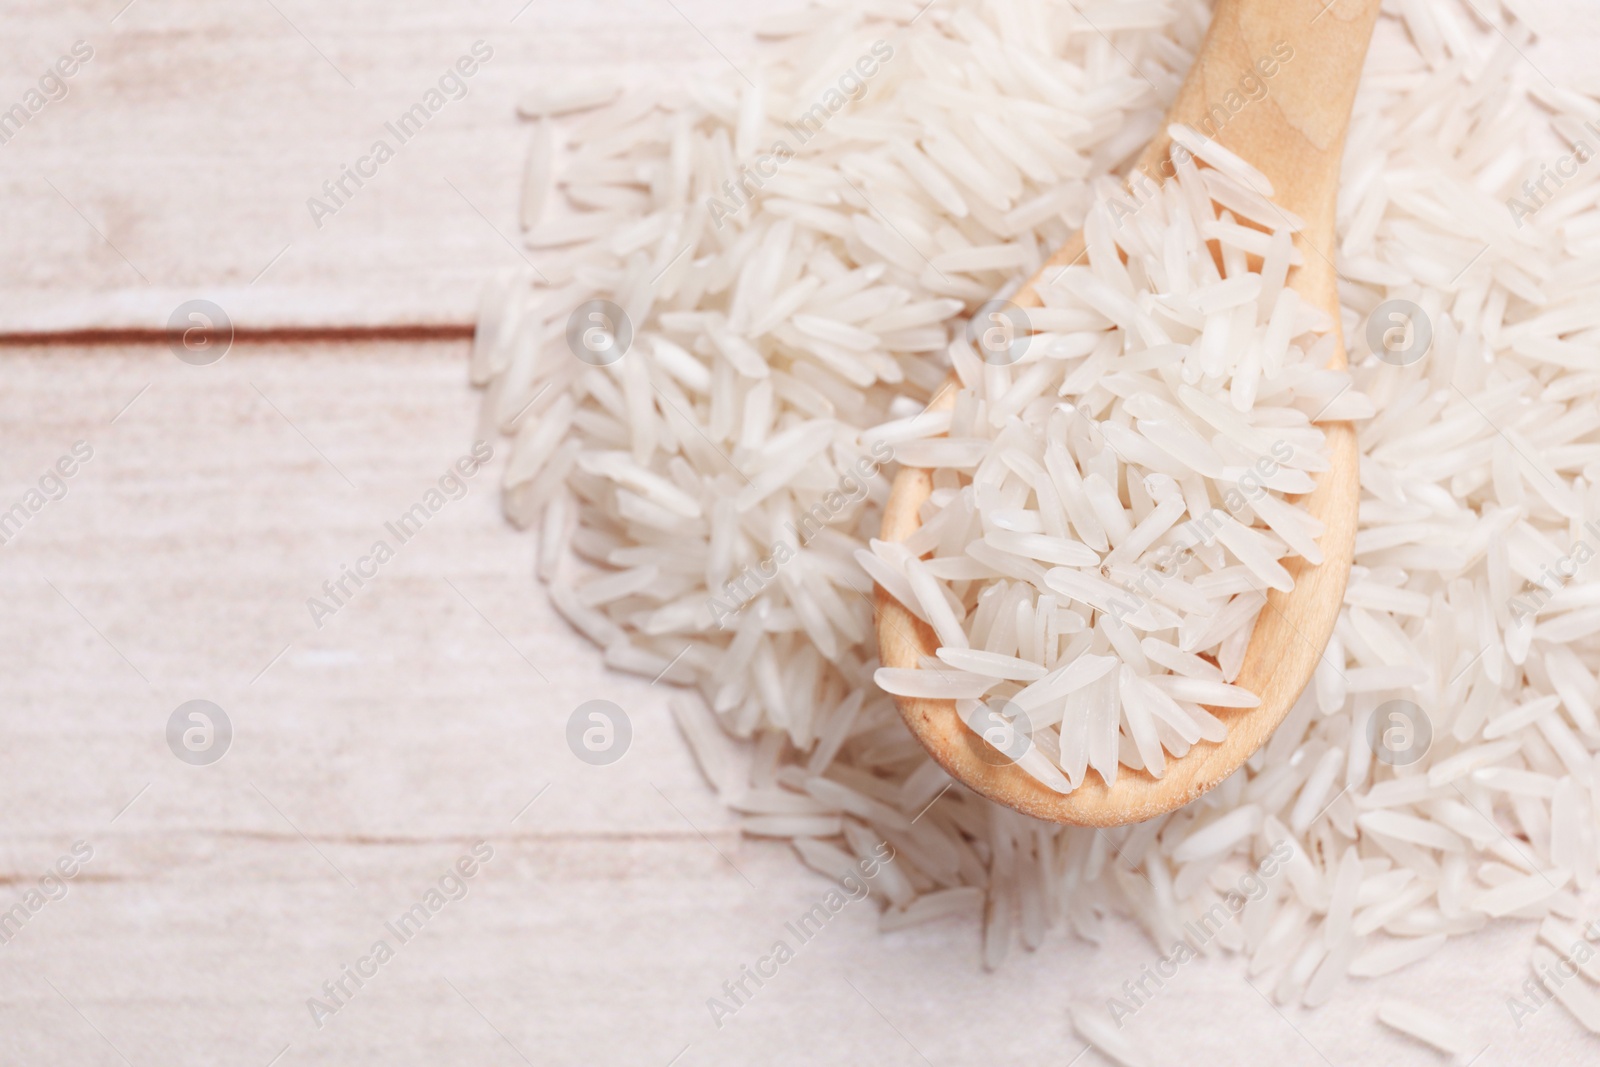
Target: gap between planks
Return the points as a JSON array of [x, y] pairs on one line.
[[450, 331]]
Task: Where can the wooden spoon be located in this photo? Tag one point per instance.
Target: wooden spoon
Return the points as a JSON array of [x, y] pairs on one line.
[[1295, 137]]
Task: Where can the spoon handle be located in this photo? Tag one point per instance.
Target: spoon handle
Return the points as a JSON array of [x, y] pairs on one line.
[[1294, 134], [1273, 83]]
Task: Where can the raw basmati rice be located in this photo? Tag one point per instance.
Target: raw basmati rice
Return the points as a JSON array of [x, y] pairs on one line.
[[789, 329], [1023, 441]]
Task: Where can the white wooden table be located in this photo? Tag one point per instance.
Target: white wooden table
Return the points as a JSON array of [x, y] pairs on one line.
[[371, 753]]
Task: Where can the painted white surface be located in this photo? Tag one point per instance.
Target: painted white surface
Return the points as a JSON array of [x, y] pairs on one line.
[[181, 160], [178, 566]]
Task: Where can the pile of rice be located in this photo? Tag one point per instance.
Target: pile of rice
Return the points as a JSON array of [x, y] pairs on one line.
[[1076, 632], [796, 250]]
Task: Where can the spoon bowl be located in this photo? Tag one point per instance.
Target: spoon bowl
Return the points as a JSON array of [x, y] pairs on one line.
[[1295, 137]]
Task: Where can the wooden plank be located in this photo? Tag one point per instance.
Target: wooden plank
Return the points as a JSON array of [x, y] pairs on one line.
[[423, 717], [181, 161], [182, 158]]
